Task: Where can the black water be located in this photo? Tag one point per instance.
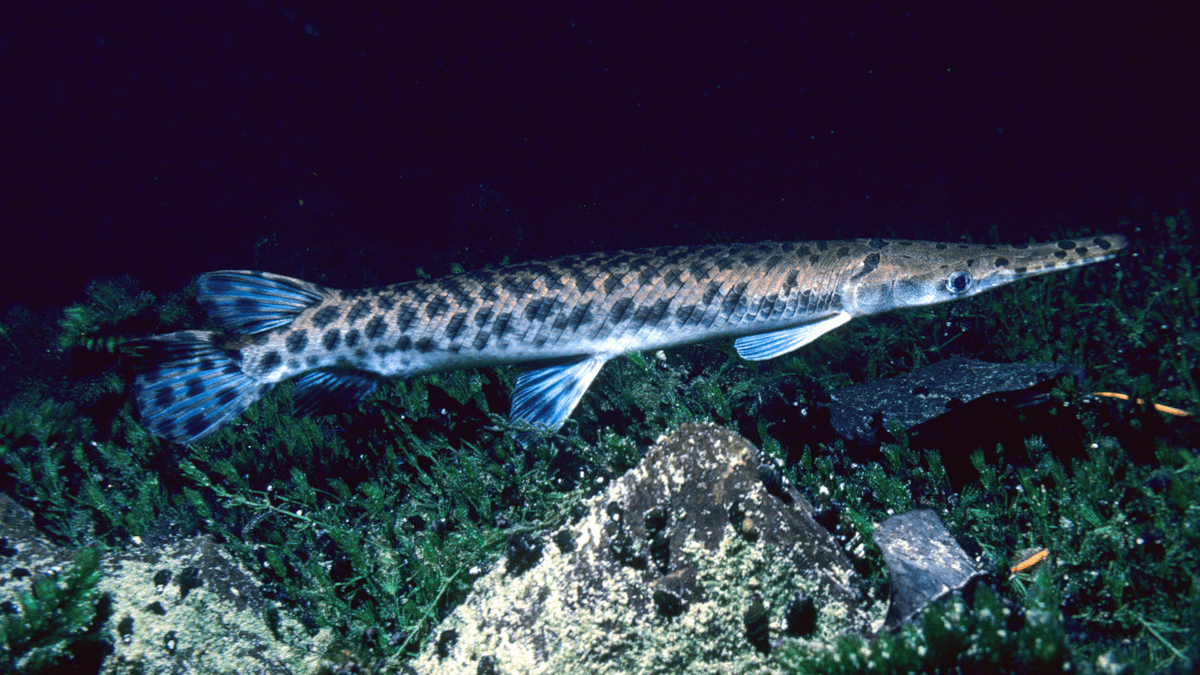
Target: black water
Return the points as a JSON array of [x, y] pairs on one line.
[[163, 139]]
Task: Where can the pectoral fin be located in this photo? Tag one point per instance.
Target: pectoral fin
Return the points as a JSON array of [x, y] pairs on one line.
[[545, 396], [777, 343]]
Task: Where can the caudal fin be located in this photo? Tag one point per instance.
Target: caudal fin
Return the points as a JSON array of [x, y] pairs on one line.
[[189, 385]]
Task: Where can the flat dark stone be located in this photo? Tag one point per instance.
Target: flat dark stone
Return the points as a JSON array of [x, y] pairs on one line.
[[924, 561]]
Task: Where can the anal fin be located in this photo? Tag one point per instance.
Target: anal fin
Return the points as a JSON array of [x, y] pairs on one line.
[[324, 392], [545, 396], [777, 343]]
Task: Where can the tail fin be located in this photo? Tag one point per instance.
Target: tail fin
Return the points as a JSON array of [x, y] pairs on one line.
[[190, 384]]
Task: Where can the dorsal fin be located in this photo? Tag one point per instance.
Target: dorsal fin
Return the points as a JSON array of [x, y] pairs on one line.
[[252, 302]]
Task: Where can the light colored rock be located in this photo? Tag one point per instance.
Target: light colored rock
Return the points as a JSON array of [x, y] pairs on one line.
[[590, 607]]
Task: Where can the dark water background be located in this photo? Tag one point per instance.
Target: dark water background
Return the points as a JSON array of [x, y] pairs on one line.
[[351, 144]]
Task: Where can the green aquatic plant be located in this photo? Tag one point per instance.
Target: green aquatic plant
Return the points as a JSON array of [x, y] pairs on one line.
[[95, 324], [954, 636], [57, 620]]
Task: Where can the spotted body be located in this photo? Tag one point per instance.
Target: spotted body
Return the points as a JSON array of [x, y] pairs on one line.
[[559, 319]]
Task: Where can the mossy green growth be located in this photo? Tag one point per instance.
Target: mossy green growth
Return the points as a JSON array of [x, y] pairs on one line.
[[58, 619], [90, 324], [953, 636]]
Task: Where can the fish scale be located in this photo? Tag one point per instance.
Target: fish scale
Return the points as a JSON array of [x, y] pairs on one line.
[[560, 320]]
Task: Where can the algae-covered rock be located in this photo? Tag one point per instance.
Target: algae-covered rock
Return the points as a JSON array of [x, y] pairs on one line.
[[179, 607], [188, 607], [687, 562]]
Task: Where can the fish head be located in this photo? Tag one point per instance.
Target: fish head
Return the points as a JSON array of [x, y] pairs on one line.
[[898, 273]]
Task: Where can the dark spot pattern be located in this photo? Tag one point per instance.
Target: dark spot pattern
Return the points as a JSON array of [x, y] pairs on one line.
[[641, 315], [195, 425], [404, 343], [405, 317], [1060, 254], [501, 327], [358, 311], [611, 282], [1104, 244], [482, 316], [869, 265], [877, 243], [352, 339], [385, 302], [1082, 250], [580, 316], [1066, 245], [425, 345], [455, 326], [683, 316], [583, 278], [332, 338], [456, 287], [711, 292], [270, 361], [326, 315], [534, 306], [297, 341], [733, 298], [843, 252], [619, 308], [436, 306], [1001, 262], [375, 328]]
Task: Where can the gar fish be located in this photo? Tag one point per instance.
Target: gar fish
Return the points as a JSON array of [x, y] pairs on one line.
[[559, 320]]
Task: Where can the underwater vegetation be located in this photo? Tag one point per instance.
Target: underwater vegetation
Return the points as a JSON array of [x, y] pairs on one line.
[[58, 619], [373, 523]]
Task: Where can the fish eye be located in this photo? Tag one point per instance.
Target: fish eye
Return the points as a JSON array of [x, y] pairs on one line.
[[958, 281]]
